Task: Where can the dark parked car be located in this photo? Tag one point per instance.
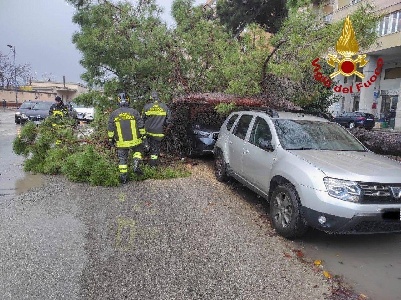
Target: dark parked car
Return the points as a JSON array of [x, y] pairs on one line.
[[26, 106], [201, 139], [37, 113], [356, 119]]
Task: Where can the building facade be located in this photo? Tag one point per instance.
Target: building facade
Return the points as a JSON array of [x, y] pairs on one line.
[[377, 94], [42, 91]]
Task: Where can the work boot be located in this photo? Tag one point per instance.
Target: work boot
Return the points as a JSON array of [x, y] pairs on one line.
[[123, 178], [137, 169], [153, 162]]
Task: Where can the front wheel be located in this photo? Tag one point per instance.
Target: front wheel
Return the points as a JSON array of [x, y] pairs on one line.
[[351, 125], [285, 212], [220, 167]]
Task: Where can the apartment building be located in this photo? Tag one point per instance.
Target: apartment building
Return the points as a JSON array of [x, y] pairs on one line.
[[381, 96]]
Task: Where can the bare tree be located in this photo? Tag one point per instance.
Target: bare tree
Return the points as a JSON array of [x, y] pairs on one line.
[[9, 72]]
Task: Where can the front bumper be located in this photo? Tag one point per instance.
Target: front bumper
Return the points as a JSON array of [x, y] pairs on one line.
[[347, 217], [203, 145], [36, 119], [384, 221]]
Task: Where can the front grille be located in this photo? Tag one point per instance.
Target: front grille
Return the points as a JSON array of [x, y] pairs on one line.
[[376, 226], [379, 193]]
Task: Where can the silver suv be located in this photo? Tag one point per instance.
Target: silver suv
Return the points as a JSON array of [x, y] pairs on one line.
[[313, 173]]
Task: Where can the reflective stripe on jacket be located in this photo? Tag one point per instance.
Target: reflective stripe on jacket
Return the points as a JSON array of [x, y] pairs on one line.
[[58, 110], [155, 115], [124, 127]]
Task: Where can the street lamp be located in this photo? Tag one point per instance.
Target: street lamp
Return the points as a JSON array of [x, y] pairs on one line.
[[15, 75]]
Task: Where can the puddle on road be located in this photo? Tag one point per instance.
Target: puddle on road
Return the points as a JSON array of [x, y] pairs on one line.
[[27, 182]]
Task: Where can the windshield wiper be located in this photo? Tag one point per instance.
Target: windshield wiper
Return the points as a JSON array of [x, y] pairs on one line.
[[351, 150], [302, 148]]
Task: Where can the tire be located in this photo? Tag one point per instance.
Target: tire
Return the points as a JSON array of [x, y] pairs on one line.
[[351, 125], [220, 167], [285, 212]]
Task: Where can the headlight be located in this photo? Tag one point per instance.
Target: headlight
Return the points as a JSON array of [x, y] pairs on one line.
[[343, 189]]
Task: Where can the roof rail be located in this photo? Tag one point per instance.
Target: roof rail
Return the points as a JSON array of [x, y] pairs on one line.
[[315, 113], [271, 112]]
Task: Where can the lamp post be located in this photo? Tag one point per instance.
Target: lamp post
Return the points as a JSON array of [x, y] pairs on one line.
[[15, 75]]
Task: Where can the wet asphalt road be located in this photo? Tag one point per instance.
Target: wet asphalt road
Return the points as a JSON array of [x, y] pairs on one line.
[[10, 164], [187, 238], [73, 241]]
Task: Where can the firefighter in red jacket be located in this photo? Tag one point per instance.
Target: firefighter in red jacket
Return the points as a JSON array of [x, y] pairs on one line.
[[156, 116], [125, 131]]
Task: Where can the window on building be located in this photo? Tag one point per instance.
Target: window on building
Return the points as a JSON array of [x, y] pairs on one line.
[[390, 23], [392, 73], [385, 105], [357, 78], [356, 103]]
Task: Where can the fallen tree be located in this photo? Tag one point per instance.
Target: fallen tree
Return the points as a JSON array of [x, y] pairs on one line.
[[209, 109], [379, 141]]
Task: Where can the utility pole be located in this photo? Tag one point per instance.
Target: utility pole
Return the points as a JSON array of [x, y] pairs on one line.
[[15, 75]]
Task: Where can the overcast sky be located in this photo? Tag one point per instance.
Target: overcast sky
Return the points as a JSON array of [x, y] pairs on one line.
[[41, 31]]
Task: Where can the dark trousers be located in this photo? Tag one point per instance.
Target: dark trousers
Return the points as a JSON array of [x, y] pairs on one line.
[[154, 145], [123, 154]]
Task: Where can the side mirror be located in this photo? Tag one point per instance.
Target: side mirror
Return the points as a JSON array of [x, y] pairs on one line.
[[265, 145]]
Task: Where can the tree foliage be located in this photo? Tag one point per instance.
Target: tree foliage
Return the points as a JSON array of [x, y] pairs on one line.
[[79, 155], [302, 38], [123, 46], [208, 59], [237, 14]]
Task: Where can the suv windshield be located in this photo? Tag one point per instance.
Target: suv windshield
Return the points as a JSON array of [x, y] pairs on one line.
[[305, 135]]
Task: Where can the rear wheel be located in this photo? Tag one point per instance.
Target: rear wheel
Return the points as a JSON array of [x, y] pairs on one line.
[[285, 212], [220, 167]]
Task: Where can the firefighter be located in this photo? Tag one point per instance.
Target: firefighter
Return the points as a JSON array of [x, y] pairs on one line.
[[125, 131], [156, 116], [58, 110]]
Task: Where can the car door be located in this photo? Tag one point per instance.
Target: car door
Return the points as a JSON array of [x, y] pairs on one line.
[[236, 142], [259, 155]]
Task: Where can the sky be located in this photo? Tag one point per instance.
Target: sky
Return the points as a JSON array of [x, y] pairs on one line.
[[41, 32]]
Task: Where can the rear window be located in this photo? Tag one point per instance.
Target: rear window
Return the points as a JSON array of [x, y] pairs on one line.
[[231, 122]]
